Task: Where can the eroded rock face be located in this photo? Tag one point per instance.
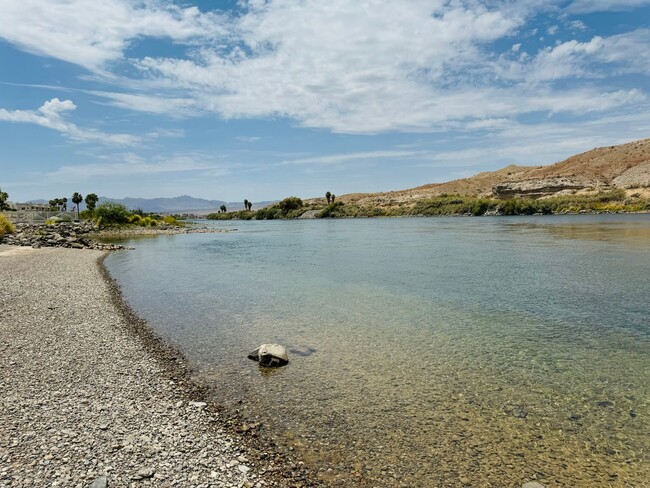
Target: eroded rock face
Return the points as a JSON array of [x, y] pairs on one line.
[[540, 187], [270, 355]]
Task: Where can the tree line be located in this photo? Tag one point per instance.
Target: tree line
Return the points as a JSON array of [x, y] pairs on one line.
[[62, 203]]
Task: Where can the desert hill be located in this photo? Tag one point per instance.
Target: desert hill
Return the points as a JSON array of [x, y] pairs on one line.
[[624, 166]]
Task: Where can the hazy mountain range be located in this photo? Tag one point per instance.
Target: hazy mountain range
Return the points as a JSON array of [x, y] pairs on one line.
[[181, 204]]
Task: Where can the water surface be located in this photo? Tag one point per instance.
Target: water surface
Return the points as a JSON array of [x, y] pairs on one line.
[[426, 352]]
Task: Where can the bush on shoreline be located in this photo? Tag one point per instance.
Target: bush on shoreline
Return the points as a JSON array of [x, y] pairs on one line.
[[6, 226]]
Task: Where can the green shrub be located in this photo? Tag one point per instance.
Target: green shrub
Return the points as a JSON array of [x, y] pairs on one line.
[[6, 226], [330, 210], [86, 214], [62, 217], [168, 219], [290, 203], [269, 213], [112, 213], [135, 219]]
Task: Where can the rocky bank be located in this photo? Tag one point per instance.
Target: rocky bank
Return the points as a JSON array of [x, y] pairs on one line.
[[74, 235], [85, 234], [87, 400]]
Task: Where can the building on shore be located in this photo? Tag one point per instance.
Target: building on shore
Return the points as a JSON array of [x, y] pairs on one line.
[[29, 206]]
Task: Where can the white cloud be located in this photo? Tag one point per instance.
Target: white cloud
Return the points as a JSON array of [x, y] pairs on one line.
[[50, 115], [589, 6], [544, 143], [92, 33], [133, 164], [155, 104], [356, 156], [347, 66], [363, 66], [599, 57], [578, 25]]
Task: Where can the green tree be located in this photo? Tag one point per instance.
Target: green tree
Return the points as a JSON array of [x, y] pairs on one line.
[[250, 206], [328, 195], [3, 200], [77, 198], [91, 201], [333, 197], [245, 203], [64, 204], [112, 213], [223, 209]]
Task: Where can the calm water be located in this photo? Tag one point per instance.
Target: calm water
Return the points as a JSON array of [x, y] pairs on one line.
[[427, 352]]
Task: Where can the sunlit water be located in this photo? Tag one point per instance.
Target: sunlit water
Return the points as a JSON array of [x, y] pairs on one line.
[[448, 351]]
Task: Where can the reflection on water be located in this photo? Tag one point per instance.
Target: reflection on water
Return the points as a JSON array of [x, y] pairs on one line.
[[426, 352], [630, 235]]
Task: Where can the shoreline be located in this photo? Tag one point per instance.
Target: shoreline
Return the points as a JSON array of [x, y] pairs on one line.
[[177, 368], [92, 391]]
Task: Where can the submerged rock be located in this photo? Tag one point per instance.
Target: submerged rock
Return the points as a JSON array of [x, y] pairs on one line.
[[270, 355], [302, 350], [532, 484], [100, 482]]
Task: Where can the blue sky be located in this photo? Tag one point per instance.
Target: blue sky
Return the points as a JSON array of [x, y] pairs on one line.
[[262, 99]]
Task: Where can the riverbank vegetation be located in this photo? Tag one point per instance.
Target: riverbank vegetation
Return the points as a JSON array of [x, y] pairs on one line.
[[614, 201], [6, 226], [115, 214]]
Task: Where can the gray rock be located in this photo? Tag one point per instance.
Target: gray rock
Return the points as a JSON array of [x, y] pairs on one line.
[[99, 482], [144, 473], [532, 484], [270, 355]]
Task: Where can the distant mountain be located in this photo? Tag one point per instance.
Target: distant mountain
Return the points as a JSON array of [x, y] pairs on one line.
[[182, 204]]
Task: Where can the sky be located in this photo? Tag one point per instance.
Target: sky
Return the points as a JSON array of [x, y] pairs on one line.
[[262, 99]]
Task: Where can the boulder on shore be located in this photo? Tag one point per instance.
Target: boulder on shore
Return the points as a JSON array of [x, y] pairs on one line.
[[270, 355]]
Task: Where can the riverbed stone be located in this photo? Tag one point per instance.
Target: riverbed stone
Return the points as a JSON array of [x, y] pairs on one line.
[[533, 484], [99, 482]]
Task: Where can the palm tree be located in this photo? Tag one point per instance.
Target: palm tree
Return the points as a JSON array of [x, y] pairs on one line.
[[328, 195], [223, 208], [245, 203], [333, 197], [250, 206], [64, 204], [77, 199], [91, 201]]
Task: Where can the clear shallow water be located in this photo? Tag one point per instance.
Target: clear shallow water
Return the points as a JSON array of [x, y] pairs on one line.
[[449, 352]]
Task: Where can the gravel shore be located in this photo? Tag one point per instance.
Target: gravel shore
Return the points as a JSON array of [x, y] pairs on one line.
[[86, 396]]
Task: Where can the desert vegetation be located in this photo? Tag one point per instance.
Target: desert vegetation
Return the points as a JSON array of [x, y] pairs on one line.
[[6, 226], [614, 201]]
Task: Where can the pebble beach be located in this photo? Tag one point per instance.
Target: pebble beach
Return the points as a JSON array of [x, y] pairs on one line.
[[88, 401]]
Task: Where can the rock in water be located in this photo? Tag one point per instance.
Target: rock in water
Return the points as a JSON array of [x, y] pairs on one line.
[[270, 355], [532, 484], [100, 482]]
